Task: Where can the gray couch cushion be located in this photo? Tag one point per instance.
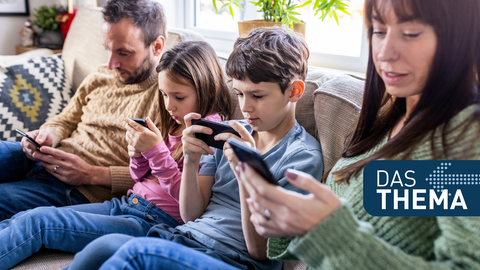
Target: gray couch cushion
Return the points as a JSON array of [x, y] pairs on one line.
[[337, 106]]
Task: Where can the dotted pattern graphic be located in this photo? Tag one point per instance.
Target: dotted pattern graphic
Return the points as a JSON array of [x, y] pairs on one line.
[[440, 179]]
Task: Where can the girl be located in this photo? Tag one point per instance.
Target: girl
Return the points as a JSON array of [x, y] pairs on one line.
[[190, 80], [421, 102]]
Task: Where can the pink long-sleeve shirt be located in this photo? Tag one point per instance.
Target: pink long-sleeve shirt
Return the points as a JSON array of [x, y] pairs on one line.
[[158, 176]]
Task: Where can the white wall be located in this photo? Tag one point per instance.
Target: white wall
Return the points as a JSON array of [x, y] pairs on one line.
[[11, 25]]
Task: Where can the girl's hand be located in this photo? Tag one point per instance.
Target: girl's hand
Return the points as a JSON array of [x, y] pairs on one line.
[[227, 149], [194, 148], [132, 152], [278, 212], [140, 137]]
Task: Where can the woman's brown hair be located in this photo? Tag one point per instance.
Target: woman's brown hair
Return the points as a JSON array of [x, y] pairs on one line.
[[452, 85], [194, 63]]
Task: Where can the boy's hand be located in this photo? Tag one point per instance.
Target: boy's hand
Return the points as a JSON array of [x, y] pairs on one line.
[[140, 137], [194, 148], [227, 149]]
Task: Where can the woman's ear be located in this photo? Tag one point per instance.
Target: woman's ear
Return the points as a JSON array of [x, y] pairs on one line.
[[298, 87], [158, 45]]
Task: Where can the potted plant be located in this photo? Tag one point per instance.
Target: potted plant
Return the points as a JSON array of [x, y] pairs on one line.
[[277, 12], [46, 24]]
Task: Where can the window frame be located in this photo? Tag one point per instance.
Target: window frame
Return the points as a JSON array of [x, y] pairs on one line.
[[222, 41]]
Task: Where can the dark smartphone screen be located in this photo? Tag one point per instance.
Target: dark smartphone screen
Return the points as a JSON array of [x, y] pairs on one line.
[[217, 129], [251, 156], [28, 137], [141, 121]]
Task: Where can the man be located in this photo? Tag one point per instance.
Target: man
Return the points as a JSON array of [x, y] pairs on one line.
[[84, 154]]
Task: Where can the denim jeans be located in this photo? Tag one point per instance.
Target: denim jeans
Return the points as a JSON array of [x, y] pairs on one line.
[[24, 184], [119, 251], [169, 248], [71, 228]]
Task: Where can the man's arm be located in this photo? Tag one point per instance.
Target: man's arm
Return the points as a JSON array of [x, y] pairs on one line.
[[62, 125]]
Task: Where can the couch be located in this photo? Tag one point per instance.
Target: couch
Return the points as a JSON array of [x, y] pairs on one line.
[[327, 110]]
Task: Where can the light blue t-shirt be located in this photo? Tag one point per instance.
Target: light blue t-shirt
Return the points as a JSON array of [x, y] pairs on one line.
[[220, 227]]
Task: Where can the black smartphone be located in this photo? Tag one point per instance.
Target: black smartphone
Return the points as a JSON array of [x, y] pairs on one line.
[[251, 156], [29, 138], [217, 129], [141, 121]]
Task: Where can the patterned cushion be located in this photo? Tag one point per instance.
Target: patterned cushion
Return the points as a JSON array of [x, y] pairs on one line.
[[31, 91]]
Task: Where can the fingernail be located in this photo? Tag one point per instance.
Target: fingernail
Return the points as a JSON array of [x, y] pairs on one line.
[[216, 137], [291, 174]]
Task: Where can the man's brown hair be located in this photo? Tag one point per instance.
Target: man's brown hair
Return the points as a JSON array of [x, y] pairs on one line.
[[269, 54]]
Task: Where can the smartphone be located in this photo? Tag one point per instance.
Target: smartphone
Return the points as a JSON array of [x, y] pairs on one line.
[[251, 156], [29, 138], [217, 129], [141, 121]]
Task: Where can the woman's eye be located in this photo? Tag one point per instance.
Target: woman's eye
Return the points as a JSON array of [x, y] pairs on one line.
[[255, 96], [239, 94], [411, 35], [180, 98]]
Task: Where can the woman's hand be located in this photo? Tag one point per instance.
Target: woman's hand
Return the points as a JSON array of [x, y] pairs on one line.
[[227, 149], [140, 137], [278, 212], [194, 148]]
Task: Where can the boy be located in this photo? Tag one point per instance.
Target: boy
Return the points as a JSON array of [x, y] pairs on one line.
[[268, 68]]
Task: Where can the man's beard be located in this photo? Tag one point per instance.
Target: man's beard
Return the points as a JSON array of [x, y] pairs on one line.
[[141, 73]]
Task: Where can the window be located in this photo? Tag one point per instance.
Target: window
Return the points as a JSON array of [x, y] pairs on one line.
[[341, 46]]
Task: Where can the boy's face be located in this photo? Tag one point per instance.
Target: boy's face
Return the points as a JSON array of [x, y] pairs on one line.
[[263, 105]]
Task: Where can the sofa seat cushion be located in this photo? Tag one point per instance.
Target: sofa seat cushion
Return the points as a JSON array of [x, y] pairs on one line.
[[31, 91], [337, 107]]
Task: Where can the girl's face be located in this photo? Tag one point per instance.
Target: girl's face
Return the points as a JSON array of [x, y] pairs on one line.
[[179, 99], [403, 52]]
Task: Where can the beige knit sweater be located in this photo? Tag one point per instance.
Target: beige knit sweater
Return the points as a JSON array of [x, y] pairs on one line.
[[91, 126]]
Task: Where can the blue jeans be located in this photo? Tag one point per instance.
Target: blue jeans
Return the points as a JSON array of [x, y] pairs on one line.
[[24, 184], [119, 251], [170, 248], [71, 228]]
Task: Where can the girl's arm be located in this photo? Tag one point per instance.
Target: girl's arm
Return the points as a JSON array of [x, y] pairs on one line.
[[195, 191], [164, 168], [139, 167]]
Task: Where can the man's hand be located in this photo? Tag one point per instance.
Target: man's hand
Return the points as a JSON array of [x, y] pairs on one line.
[[43, 137], [71, 169]]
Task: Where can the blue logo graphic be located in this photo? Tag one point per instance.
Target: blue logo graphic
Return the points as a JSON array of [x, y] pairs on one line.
[[422, 188]]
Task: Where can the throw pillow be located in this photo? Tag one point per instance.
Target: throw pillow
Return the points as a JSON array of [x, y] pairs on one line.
[[31, 91]]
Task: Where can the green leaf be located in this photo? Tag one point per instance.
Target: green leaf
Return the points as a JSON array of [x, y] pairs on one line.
[[305, 4], [335, 16], [215, 5], [236, 4], [231, 10]]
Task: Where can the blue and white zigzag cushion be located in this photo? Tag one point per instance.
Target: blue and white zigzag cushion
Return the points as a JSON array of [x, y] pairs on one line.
[[32, 90]]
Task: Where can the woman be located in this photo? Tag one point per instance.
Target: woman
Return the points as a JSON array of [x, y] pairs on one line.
[[420, 103]]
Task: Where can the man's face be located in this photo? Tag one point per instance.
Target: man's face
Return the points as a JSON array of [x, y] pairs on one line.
[[129, 57]]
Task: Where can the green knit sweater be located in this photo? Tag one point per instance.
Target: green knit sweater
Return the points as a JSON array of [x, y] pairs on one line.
[[352, 239]]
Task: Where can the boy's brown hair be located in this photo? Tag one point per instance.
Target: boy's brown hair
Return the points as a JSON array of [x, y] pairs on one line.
[[269, 54]]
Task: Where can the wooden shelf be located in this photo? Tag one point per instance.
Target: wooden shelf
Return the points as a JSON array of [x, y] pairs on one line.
[[21, 49]]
